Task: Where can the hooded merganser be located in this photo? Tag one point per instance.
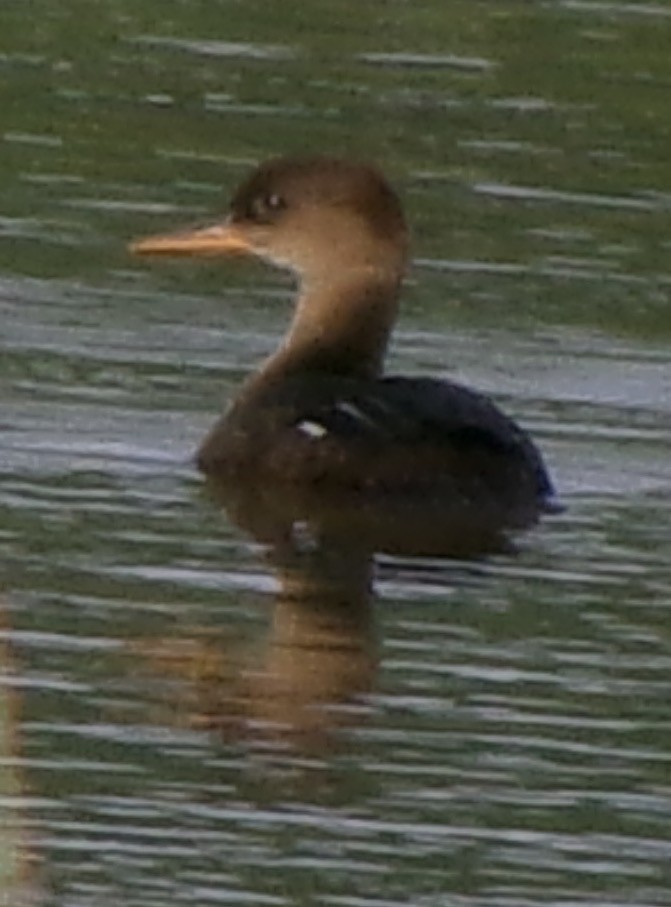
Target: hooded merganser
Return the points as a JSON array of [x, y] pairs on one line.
[[319, 412]]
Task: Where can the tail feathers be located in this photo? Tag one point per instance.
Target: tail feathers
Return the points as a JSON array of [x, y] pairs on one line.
[[551, 503]]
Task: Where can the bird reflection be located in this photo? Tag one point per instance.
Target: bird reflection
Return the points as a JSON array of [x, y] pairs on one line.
[[320, 654], [318, 662], [315, 665]]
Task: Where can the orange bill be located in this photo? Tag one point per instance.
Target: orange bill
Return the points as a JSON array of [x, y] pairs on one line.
[[217, 239]]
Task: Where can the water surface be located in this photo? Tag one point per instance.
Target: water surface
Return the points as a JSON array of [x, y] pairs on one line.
[[188, 716]]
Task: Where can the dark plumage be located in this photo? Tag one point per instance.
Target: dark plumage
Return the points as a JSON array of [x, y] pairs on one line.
[[319, 412]]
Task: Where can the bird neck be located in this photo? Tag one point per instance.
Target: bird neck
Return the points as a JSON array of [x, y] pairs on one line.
[[339, 326]]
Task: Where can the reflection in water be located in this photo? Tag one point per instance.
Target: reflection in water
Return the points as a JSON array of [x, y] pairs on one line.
[[320, 653], [319, 657], [17, 865]]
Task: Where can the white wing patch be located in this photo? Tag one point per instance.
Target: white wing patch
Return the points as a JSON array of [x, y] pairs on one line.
[[312, 429], [316, 429]]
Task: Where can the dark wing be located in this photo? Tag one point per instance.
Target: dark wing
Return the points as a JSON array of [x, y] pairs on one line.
[[409, 424], [470, 419]]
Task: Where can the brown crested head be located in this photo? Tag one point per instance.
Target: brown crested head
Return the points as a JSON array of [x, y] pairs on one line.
[[293, 185], [313, 215]]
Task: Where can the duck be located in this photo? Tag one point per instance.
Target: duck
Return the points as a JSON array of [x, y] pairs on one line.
[[320, 412]]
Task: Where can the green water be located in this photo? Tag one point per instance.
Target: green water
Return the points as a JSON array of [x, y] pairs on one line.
[[195, 719]]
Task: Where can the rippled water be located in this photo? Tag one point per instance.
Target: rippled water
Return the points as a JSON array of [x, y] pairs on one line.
[[189, 715]]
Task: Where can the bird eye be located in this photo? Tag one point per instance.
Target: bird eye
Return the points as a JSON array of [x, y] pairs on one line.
[[265, 207], [275, 202]]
